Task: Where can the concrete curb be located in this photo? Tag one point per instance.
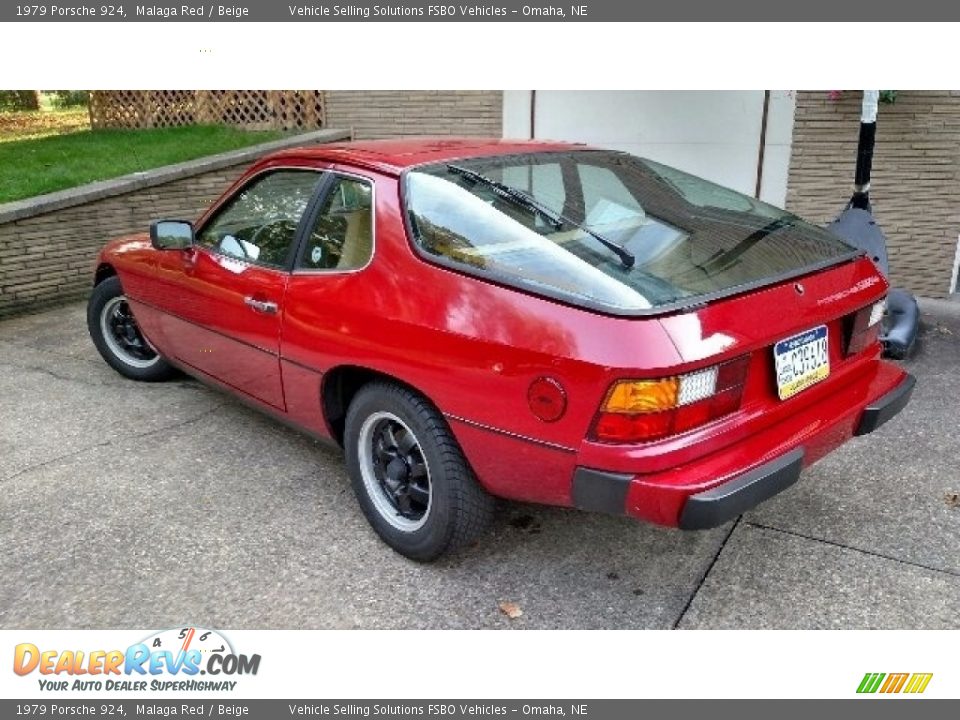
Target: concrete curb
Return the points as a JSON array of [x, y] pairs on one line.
[[940, 306], [50, 202]]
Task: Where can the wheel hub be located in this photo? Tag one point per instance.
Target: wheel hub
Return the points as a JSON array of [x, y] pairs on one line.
[[122, 334], [400, 470], [125, 328], [398, 473]]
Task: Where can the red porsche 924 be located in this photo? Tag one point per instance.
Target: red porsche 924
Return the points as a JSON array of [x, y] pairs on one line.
[[543, 322]]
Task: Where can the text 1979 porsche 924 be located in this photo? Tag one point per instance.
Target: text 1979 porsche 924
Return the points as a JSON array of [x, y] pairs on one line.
[[536, 321]]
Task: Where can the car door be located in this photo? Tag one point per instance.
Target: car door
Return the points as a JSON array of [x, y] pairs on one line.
[[225, 304], [330, 296]]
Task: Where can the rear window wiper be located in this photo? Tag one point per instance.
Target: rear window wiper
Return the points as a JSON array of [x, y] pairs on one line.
[[557, 220], [723, 259]]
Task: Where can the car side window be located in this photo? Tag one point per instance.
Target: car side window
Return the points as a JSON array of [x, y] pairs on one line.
[[341, 237], [260, 222]]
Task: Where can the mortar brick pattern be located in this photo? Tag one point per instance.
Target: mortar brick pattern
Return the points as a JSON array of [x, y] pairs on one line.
[[375, 114], [914, 189], [48, 259]]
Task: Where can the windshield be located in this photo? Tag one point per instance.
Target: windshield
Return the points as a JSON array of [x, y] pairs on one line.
[[606, 230]]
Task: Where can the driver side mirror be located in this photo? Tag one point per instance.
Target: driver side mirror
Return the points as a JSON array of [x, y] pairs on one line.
[[171, 234]]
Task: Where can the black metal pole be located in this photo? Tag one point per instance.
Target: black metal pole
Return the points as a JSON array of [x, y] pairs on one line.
[[868, 134]]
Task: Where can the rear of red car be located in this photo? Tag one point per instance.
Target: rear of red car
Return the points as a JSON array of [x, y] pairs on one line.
[[774, 322], [737, 431]]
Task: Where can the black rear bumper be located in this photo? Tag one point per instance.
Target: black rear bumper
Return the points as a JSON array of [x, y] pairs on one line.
[[714, 507], [884, 408]]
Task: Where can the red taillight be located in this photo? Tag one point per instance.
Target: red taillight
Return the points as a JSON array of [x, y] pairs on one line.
[[621, 427], [723, 403], [862, 328], [645, 410]]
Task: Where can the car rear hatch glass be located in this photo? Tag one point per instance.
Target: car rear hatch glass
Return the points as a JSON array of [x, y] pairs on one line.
[[606, 230]]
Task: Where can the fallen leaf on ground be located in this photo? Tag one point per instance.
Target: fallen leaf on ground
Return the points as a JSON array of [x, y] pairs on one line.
[[38, 123], [952, 499], [511, 610]]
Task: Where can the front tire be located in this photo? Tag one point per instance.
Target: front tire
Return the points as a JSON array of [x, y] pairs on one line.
[[409, 474], [118, 338]]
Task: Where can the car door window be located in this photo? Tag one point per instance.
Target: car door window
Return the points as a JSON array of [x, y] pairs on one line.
[[260, 222], [341, 236]]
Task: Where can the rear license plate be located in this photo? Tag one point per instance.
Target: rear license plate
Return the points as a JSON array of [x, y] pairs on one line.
[[801, 361]]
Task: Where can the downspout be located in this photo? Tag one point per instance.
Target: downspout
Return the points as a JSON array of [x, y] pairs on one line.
[[533, 114], [763, 142], [533, 135]]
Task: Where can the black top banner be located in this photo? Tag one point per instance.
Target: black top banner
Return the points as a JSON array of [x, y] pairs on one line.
[[505, 11]]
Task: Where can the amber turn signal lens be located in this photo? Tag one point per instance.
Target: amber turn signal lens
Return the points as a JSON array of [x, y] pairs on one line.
[[647, 410], [642, 396]]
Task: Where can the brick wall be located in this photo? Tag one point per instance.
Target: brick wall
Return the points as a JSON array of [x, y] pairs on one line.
[[914, 190], [48, 244], [373, 114], [47, 259]]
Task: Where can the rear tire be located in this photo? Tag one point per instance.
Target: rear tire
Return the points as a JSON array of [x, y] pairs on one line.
[[117, 336], [413, 483]]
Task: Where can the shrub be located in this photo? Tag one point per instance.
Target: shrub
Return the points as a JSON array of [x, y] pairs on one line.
[[19, 100], [69, 98]]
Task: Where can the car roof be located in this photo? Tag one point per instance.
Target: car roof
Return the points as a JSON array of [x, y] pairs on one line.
[[394, 156]]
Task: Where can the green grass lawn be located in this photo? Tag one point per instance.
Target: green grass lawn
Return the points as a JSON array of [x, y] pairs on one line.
[[46, 164]]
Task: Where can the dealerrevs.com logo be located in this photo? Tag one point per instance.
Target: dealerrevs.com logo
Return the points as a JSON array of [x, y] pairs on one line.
[[170, 660]]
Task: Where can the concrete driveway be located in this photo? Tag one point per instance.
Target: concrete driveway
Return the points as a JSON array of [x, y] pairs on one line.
[[134, 505]]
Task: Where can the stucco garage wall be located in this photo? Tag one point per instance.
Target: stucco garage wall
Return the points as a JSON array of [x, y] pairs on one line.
[[48, 244], [714, 134], [915, 187]]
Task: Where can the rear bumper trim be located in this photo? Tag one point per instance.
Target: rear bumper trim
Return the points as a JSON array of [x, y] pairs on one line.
[[714, 507], [886, 407], [600, 491]]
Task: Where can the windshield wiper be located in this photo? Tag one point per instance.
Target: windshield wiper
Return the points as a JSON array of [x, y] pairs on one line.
[[722, 259], [558, 220], [519, 197]]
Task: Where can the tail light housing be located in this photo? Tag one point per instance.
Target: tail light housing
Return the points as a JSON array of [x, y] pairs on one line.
[[862, 328], [647, 410]]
